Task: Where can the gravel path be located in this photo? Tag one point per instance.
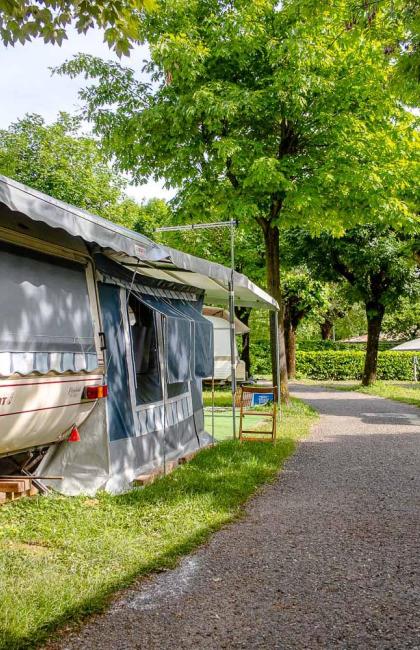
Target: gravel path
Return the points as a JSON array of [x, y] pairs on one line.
[[327, 557]]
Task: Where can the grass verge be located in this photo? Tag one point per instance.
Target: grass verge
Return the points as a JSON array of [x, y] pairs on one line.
[[408, 393], [222, 397], [61, 558]]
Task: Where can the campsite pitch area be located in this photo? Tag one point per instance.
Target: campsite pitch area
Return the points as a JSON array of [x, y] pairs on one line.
[[223, 429], [62, 558]]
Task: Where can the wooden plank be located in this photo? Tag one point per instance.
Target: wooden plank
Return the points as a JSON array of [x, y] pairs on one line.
[[188, 457], [19, 485], [7, 497], [32, 477], [147, 479], [258, 389], [265, 414]]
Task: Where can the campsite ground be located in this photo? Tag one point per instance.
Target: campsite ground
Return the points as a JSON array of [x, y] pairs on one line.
[[61, 558], [326, 556]]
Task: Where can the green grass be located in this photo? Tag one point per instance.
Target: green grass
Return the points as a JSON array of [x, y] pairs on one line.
[[61, 558], [222, 397], [408, 393], [222, 425]]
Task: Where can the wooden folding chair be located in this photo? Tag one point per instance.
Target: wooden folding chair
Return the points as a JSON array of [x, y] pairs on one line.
[[246, 409]]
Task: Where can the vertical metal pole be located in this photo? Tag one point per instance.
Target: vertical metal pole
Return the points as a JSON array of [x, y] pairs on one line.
[[232, 326], [212, 408], [162, 363], [276, 321]]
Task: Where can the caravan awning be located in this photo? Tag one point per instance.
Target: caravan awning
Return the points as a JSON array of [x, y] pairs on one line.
[[79, 223], [132, 249]]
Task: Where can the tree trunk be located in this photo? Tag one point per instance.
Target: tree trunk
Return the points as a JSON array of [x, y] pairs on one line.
[[375, 314], [327, 330], [272, 252], [290, 341], [243, 313]]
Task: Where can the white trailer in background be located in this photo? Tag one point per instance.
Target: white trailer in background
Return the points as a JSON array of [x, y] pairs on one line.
[[408, 346], [411, 346], [222, 360]]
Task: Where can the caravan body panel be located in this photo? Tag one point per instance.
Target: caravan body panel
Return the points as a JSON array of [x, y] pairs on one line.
[[49, 340], [39, 412]]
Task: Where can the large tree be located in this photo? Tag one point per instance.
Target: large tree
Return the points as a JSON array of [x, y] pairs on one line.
[[257, 112], [379, 265]]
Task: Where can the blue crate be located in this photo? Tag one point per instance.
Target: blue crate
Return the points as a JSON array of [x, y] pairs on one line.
[[259, 399]]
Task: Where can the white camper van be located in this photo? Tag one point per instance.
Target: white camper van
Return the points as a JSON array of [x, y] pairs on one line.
[[221, 330]]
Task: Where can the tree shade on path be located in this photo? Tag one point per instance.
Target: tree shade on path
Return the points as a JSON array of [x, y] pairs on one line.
[[326, 557]]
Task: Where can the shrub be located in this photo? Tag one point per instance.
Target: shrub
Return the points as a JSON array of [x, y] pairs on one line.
[[318, 344], [347, 364], [260, 357]]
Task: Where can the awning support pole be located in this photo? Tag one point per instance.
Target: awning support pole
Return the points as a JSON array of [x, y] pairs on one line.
[[212, 408], [232, 326], [276, 321], [212, 395], [162, 364]]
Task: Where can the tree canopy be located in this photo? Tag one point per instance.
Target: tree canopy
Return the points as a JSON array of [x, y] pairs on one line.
[[23, 20], [60, 161], [255, 111]]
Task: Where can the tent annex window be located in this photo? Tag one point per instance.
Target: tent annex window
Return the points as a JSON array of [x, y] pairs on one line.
[[46, 320], [187, 345], [188, 337], [145, 352]]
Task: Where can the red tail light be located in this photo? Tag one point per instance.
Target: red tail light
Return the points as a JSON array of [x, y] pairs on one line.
[[96, 392]]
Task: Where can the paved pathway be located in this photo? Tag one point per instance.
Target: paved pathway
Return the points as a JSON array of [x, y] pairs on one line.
[[327, 557]]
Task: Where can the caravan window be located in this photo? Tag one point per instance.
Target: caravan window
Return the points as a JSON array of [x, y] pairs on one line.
[[145, 352], [45, 314]]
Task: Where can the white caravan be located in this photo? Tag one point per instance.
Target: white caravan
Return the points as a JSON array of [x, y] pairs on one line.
[[221, 331]]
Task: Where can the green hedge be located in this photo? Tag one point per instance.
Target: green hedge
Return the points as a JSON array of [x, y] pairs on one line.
[[349, 365], [260, 357], [261, 364], [318, 345]]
